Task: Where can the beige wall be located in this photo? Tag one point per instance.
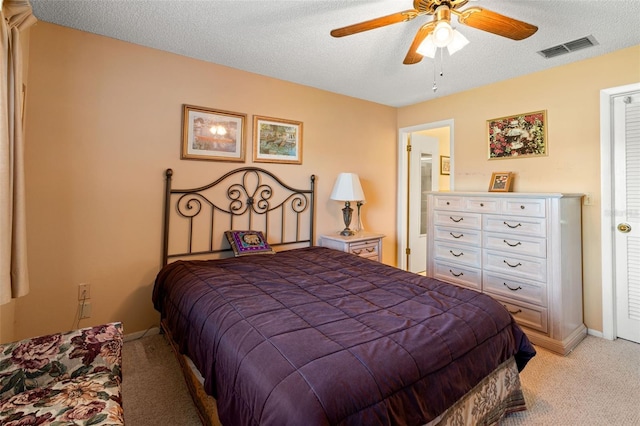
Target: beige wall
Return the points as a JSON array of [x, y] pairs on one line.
[[570, 95], [104, 122]]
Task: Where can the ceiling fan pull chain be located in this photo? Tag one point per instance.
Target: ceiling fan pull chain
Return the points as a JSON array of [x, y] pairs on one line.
[[441, 62], [435, 86]]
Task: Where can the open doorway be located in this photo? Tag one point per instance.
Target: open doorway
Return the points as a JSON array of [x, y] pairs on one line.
[[422, 151]]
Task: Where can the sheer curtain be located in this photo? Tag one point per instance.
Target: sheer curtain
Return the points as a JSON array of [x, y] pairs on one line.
[[14, 279]]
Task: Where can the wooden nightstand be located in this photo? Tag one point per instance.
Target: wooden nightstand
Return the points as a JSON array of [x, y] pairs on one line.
[[365, 244]]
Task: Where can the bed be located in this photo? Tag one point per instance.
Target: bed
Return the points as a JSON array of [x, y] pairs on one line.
[[314, 336]]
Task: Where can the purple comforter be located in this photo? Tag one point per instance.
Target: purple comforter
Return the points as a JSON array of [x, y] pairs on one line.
[[316, 336]]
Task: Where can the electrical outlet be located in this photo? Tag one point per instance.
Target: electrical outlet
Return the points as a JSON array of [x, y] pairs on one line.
[[84, 291], [587, 200], [85, 309]]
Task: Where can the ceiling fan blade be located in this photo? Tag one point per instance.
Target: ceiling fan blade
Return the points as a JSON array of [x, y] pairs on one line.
[[383, 21], [495, 23], [414, 57]]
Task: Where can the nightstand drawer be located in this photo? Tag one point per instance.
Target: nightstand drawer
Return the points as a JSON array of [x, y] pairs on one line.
[[364, 244], [364, 248]]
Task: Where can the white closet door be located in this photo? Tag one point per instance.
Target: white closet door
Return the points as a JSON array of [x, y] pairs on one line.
[[627, 214]]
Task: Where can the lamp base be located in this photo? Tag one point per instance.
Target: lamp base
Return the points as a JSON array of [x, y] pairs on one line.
[[346, 216], [346, 232]]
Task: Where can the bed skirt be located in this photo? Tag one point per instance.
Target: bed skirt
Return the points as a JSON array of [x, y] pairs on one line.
[[487, 403]]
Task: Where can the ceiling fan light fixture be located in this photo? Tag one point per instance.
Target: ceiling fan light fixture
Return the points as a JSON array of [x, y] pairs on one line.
[[459, 41], [427, 48], [442, 34]]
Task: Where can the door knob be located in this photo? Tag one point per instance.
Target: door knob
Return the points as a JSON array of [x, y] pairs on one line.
[[624, 228]]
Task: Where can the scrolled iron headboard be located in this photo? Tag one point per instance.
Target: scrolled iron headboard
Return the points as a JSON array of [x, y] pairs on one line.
[[244, 198]]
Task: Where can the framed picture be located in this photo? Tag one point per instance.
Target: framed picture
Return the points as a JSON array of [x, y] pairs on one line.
[[501, 182], [517, 136], [276, 140], [445, 165], [209, 134]]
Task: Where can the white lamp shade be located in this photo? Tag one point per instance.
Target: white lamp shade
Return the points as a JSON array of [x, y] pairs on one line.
[[459, 41], [442, 34], [347, 188], [427, 48]]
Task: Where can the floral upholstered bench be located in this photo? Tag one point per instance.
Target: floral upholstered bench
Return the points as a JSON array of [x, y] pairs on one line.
[[63, 379]]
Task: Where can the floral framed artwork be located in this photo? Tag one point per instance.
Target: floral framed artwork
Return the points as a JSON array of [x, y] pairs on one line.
[[517, 136], [445, 165], [501, 182], [209, 134], [276, 140]]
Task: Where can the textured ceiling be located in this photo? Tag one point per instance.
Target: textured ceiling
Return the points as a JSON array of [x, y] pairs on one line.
[[290, 40]]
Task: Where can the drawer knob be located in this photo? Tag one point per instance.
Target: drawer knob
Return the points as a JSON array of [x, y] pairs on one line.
[[448, 203], [512, 245], [513, 266], [459, 254], [456, 236], [481, 204], [456, 220], [522, 207], [456, 275], [512, 226], [511, 288]]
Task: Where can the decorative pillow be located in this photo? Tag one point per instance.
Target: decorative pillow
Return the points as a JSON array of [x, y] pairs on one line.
[[245, 243]]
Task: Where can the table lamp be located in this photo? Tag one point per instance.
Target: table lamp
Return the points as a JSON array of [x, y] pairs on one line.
[[347, 188]]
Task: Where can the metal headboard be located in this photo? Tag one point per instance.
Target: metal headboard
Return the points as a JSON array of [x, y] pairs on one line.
[[248, 198]]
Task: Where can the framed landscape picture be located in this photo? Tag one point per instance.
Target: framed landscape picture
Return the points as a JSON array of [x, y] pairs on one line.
[[276, 140], [209, 134], [517, 136]]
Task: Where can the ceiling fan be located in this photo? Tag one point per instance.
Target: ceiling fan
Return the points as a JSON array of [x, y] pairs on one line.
[[440, 27]]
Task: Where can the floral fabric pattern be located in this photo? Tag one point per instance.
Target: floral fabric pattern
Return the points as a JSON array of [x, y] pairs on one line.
[[493, 398], [69, 378]]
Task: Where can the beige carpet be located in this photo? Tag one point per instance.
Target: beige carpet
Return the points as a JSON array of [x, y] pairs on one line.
[[598, 384]]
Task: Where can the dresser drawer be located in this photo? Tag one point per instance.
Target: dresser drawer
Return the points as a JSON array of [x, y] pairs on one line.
[[524, 207], [464, 255], [527, 315], [482, 205], [457, 219], [515, 288], [522, 266], [516, 244], [459, 236], [364, 248], [536, 227], [462, 275], [448, 203]]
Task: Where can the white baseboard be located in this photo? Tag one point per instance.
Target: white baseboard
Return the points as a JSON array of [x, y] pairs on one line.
[[594, 333], [138, 334]]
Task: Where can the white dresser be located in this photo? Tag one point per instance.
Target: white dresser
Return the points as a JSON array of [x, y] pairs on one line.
[[523, 249]]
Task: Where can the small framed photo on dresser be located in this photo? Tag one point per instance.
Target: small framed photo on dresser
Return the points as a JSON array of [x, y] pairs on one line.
[[501, 182]]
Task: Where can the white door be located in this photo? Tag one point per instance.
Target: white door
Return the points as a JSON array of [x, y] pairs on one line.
[[626, 166], [424, 173]]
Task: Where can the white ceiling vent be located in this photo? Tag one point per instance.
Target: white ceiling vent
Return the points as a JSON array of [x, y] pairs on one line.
[[571, 46]]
